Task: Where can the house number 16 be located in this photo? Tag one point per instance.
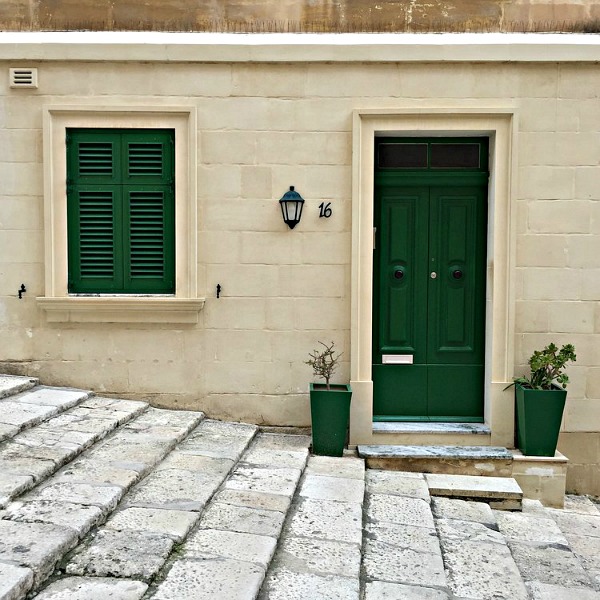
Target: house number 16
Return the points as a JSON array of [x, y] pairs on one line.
[[325, 210]]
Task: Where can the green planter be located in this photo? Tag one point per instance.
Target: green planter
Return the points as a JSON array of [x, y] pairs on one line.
[[539, 414], [330, 413]]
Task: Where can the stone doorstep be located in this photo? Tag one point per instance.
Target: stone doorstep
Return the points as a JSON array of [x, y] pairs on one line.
[[452, 460], [431, 433], [502, 493]]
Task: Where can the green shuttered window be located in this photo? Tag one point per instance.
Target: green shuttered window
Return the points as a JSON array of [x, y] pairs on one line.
[[121, 211]]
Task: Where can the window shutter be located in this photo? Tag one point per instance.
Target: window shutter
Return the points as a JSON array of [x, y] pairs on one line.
[[121, 211]]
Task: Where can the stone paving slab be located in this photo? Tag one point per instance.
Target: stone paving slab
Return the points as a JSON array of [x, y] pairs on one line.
[[530, 528], [173, 523], [105, 497], [7, 431], [93, 588], [421, 539], [400, 510], [327, 519], [211, 543], [242, 519], [211, 579], [322, 487], [15, 581], [550, 563], [397, 483], [465, 510], [38, 546], [319, 557], [129, 554], [61, 398], [544, 591], [347, 467], [13, 384], [283, 584], [383, 590], [65, 514], [455, 533], [11, 485], [270, 481], [253, 499]]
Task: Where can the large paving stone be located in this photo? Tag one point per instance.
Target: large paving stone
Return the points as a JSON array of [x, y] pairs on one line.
[[75, 516], [135, 555], [395, 482], [60, 455], [383, 590], [242, 519], [207, 465], [15, 581], [577, 524], [399, 509], [402, 565], [421, 539], [253, 499], [11, 485], [259, 456], [166, 423], [62, 398], [464, 510], [105, 497], [545, 591], [282, 441], [321, 557], [38, 546], [320, 487], [482, 570], [580, 504], [89, 470], [93, 588], [7, 431], [211, 543], [475, 487], [327, 519], [221, 440], [454, 532], [174, 523], [271, 481], [587, 550], [175, 489], [530, 528], [13, 384], [346, 467], [23, 414], [549, 563], [37, 468], [211, 579], [283, 584]]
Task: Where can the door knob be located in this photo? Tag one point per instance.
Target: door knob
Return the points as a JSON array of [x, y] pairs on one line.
[[433, 275]]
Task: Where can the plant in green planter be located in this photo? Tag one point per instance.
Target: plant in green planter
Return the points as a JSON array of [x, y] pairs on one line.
[[540, 399], [329, 403]]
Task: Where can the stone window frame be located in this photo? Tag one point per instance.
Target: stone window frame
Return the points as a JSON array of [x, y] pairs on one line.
[[60, 306]]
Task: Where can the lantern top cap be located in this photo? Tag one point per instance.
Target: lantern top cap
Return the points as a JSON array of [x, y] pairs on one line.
[[292, 194]]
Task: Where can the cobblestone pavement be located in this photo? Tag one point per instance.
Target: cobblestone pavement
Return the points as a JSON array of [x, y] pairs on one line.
[[103, 498]]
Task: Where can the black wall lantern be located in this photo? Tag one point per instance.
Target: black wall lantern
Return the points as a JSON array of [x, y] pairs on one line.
[[291, 207]]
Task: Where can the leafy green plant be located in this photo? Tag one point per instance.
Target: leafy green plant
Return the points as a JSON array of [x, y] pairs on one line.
[[324, 362], [547, 367]]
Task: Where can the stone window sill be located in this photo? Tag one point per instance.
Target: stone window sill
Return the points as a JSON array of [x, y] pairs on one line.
[[121, 309]]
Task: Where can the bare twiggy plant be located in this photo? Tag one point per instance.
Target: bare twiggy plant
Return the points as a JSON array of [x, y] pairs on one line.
[[324, 362]]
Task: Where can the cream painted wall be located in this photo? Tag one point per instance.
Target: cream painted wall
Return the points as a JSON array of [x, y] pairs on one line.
[[259, 128]]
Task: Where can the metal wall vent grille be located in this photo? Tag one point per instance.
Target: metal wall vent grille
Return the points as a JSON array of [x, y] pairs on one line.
[[23, 77]]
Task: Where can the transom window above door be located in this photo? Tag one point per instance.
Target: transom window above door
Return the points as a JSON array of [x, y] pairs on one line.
[[431, 154]]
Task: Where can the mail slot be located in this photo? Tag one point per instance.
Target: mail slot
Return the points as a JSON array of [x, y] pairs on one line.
[[397, 359]]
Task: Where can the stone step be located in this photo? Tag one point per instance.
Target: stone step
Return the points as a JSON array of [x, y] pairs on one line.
[[13, 384], [28, 408], [431, 433], [459, 460], [38, 530], [31, 456], [501, 493]]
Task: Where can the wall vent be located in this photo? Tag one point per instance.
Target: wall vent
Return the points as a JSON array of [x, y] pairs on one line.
[[23, 77]]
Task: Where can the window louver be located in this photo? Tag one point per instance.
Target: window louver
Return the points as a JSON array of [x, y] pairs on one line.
[[96, 226], [146, 234], [95, 158], [145, 159]]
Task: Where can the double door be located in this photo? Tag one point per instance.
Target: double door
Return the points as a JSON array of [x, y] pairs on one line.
[[429, 296]]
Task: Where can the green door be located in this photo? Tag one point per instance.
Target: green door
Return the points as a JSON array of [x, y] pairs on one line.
[[429, 280]]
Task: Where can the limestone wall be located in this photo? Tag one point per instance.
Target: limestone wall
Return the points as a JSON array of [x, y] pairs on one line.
[[261, 127], [269, 15]]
